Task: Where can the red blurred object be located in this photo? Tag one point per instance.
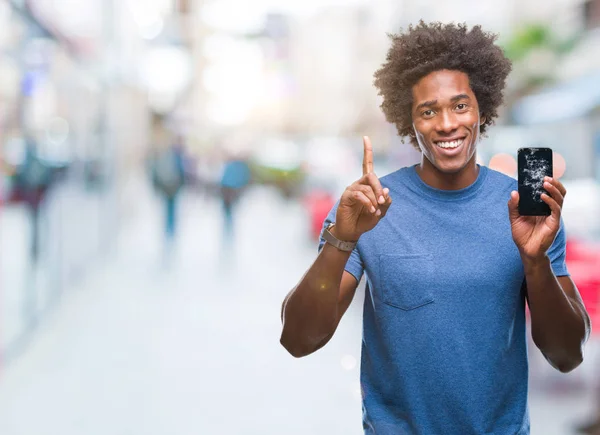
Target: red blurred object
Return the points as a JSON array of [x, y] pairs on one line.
[[318, 203], [583, 262]]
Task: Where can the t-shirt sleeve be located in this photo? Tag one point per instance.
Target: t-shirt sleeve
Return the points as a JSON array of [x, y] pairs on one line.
[[354, 266], [557, 252]]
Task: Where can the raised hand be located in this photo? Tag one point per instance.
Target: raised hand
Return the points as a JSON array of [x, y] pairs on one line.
[[534, 235], [364, 203]]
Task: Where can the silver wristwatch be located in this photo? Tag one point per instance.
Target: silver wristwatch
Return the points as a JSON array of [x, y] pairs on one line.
[[334, 241]]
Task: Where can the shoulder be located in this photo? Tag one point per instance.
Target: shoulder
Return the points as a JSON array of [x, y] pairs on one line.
[[396, 177], [498, 180]]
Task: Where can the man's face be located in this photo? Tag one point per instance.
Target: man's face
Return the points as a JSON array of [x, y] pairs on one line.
[[446, 120]]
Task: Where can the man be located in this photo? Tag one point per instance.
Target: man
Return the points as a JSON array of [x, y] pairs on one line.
[[449, 263]]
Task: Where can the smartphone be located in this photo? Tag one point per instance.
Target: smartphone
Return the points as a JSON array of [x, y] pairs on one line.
[[533, 165]]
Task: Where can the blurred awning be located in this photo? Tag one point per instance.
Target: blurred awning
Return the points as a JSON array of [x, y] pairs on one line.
[[566, 101]]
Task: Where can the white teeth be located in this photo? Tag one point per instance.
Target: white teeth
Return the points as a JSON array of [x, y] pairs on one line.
[[450, 144]]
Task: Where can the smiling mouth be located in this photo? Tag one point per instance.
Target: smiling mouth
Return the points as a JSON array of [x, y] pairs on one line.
[[449, 144]]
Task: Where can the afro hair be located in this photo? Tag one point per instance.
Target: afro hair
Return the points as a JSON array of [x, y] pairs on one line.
[[426, 48]]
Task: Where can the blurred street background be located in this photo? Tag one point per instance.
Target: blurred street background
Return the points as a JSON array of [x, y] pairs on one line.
[[166, 166]]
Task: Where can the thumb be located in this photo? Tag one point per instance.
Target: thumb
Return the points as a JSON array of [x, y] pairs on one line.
[[513, 206], [388, 201]]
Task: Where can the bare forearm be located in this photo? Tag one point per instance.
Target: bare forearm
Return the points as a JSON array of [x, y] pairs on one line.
[[310, 310], [559, 323]]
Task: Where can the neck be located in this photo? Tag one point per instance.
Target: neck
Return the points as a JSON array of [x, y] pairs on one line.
[[437, 179]]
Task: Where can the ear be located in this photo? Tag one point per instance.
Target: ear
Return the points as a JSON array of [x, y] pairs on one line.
[[482, 119]]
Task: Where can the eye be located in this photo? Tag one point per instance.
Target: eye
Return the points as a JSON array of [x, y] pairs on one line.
[[427, 113], [461, 106]]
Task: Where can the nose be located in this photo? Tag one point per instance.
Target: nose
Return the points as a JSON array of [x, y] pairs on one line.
[[448, 122]]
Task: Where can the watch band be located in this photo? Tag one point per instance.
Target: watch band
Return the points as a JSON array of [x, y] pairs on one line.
[[334, 241]]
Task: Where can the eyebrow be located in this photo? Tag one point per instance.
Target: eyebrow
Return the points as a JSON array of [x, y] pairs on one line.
[[434, 102]]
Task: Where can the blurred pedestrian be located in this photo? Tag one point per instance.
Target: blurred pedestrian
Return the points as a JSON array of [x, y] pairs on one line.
[[168, 177], [450, 263], [234, 180], [32, 181]]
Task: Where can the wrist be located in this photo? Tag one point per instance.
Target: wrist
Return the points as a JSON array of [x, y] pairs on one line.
[[334, 230], [532, 263]]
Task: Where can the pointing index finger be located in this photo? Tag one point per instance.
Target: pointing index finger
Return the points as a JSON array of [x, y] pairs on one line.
[[368, 156]]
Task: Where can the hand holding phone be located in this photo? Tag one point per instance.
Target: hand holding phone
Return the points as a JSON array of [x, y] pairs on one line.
[[533, 165], [535, 211]]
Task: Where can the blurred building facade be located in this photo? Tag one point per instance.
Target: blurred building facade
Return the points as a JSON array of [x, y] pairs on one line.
[[67, 90]]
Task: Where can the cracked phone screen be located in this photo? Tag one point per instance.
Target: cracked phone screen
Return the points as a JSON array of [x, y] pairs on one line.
[[534, 165]]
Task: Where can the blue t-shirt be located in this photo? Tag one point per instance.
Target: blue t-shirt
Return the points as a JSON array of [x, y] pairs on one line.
[[444, 335]]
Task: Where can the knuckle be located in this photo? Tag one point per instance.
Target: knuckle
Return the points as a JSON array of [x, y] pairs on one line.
[[367, 189]]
